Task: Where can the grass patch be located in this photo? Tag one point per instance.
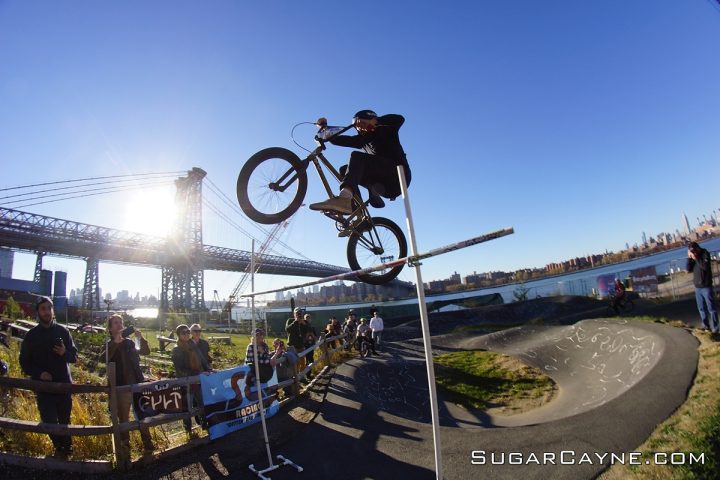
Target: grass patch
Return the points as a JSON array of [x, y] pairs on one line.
[[480, 379]]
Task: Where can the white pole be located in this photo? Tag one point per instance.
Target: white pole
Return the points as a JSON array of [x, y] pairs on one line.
[[425, 328], [255, 354]]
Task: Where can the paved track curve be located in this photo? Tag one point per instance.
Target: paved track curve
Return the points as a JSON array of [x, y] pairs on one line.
[[617, 380]]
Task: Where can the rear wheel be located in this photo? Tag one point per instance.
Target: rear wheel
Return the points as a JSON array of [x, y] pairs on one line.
[[382, 244], [271, 185]]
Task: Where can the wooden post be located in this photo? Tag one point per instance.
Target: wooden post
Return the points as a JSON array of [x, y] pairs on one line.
[[121, 453], [325, 353], [295, 389]]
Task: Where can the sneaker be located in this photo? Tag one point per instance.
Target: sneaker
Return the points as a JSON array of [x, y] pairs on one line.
[[335, 204], [376, 201]]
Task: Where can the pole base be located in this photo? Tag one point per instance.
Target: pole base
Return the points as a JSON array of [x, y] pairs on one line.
[[284, 461]]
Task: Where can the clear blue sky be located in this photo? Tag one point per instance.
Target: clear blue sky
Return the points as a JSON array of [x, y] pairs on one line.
[[581, 124]]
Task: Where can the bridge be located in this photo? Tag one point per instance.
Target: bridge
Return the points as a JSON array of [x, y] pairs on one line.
[[182, 256]]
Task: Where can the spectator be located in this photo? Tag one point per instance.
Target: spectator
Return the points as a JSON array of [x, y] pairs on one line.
[[45, 354], [283, 369], [201, 343], [699, 264], [332, 329], [122, 352], [309, 340], [266, 362], [296, 329], [377, 326], [188, 361], [348, 329], [618, 296], [363, 335]]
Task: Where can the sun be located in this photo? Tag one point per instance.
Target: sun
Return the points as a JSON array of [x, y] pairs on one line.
[[151, 211]]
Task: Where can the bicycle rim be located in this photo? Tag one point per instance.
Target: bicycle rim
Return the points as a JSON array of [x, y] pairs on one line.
[[271, 185], [384, 243]]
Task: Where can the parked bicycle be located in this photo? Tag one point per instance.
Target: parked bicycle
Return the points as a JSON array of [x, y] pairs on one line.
[[272, 186]]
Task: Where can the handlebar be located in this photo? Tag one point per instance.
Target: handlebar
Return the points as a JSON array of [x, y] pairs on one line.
[[327, 133]]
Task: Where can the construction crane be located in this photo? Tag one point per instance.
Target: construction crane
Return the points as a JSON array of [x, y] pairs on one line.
[[271, 239], [216, 306]]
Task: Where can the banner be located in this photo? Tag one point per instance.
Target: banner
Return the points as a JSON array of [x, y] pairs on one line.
[[606, 285], [231, 400], [160, 398], [644, 280]]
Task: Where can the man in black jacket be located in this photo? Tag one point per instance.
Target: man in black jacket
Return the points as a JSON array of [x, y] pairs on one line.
[[376, 168], [699, 264], [46, 351]]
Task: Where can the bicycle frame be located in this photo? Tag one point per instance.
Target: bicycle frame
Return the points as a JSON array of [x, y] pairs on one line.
[[361, 213]]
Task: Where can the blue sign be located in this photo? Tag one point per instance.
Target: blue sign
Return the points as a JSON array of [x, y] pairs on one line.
[[231, 400]]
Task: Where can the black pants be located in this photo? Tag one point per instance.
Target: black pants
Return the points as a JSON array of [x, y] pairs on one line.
[[372, 171], [55, 408]]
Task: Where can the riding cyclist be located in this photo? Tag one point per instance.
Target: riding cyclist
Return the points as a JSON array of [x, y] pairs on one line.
[[619, 295], [363, 335], [376, 168]]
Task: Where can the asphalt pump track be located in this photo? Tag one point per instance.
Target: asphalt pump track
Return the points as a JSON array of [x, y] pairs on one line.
[[617, 380]]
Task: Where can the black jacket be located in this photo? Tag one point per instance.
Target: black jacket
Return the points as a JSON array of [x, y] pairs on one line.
[[296, 331], [37, 356], [384, 141], [701, 269]]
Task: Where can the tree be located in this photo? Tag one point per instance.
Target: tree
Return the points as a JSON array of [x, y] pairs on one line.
[[12, 309]]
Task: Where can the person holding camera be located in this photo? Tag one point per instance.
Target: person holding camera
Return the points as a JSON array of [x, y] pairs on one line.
[[45, 354], [122, 351], [699, 264]]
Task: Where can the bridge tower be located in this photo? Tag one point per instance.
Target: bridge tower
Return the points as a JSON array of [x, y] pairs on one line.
[[91, 289], [38, 265], [182, 277]]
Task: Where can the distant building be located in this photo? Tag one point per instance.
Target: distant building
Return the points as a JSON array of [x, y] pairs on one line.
[[6, 262]]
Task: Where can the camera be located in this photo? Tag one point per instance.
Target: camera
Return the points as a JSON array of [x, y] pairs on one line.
[[58, 342], [127, 331]]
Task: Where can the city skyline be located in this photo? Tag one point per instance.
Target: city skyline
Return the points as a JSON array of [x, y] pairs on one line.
[[580, 125], [125, 297]]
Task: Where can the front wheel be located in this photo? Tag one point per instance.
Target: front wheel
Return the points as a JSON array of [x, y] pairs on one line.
[[383, 243], [364, 349], [271, 185]]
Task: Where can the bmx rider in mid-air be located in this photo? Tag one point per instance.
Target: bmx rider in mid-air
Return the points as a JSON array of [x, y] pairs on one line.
[[376, 167]]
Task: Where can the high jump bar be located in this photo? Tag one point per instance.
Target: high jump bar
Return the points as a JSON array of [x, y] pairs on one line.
[[410, 260]]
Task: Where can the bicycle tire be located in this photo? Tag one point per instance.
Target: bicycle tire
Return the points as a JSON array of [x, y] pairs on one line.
[[364, 350], [394, 244], [262, 203]]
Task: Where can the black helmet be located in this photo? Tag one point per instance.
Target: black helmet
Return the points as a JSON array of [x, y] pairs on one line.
[[365, 115]]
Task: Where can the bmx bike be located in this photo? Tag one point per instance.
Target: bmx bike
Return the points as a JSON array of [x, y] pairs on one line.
[[272, 185], [364, 347], [624, 305]]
